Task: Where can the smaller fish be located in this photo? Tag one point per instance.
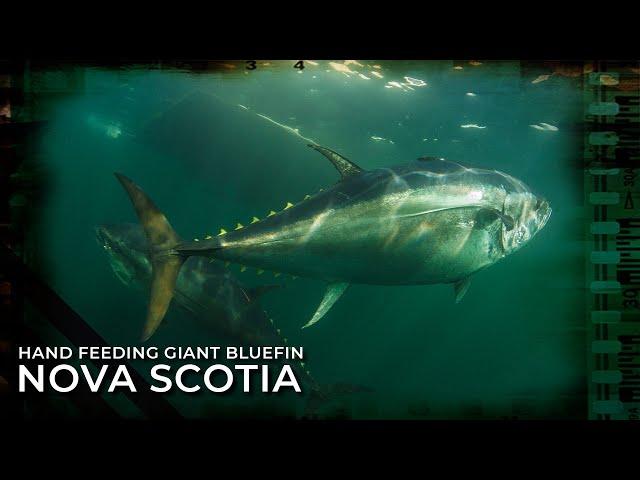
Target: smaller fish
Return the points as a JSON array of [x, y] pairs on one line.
[[545, 127], [608, 80], [541, 78], [549, 127]]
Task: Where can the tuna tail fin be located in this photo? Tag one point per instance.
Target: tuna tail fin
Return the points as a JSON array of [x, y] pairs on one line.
[[165, 261]]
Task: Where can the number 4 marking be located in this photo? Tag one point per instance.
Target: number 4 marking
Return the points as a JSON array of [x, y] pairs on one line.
[[299, 65]]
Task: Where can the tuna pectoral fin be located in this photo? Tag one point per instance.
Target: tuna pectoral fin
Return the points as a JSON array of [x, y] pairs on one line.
[[333, 293], [165, 263], [461, 287]]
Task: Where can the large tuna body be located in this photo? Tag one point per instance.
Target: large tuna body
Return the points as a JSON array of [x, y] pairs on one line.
[[424, 222], [428, 221]]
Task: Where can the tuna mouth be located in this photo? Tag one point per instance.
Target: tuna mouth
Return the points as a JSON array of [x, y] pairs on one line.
[[102, 237], [105, 239]]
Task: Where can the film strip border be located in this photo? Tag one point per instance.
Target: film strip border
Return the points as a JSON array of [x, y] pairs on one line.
[[612, 158], [22, 91]]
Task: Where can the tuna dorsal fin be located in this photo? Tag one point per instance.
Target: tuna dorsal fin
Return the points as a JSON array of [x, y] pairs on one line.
[[344, 166], [461, 287], [333, 293]]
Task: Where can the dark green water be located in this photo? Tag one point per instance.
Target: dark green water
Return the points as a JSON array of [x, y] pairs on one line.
[[512, 347]]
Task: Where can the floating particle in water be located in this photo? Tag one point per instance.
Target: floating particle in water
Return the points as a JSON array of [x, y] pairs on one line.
[[381, 139], [541, 78], [470, 94], [377, 66], [458, 67], [475, 63], [416, 82], [472, 125]]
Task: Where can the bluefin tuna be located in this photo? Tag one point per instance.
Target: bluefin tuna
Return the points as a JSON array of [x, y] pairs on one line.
[[429, 221], [216, 300]]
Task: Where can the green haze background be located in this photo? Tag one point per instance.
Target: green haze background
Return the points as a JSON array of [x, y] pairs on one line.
[[198, 145]]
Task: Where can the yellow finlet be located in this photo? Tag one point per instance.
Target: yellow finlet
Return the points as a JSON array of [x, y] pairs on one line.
[[288, 205], [293, 277], [271, 213], [196, 240], [239, 226], [243, 268], [260, 272], [277, 274], [255, 219], [208, 237], [222, 232], [307, 197]]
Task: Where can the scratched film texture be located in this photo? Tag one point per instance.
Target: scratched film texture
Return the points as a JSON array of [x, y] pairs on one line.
[[213, 149]]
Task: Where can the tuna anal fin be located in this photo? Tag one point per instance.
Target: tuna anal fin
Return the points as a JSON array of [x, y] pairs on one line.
[[344, 166], [461, 287], [333, 293]]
